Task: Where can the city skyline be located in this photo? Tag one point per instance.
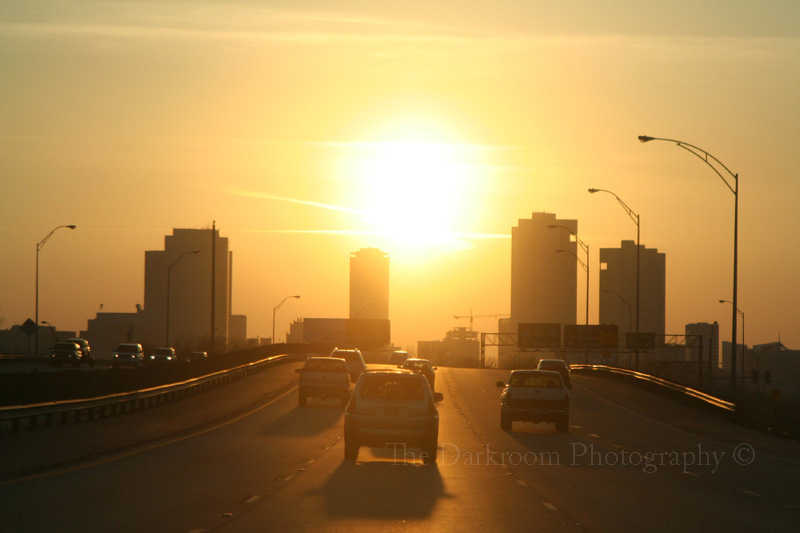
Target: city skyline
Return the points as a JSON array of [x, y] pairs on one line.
[[423, 132]]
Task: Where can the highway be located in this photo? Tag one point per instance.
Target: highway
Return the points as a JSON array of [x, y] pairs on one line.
[[245, 458]]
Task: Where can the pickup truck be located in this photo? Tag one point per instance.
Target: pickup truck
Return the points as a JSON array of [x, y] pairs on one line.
[[534, 396], [324, 377]]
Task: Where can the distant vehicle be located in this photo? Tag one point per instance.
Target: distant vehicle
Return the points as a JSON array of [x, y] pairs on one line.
[[557, 365], [421, 366], [86, 350], [534, 396], [164, 355], [395, 408], [128, 354], [355, 361], [65, 353], [398, 357], [324, 377], [196, 356]]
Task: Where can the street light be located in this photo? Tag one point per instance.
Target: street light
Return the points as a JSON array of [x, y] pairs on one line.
[[275, 310], [169, 274], [586, 265], [744, 346], [637, 221], [39, 246], [704, 156], [586, 268], [626, 302]]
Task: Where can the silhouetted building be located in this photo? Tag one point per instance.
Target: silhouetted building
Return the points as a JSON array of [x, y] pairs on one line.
[[369, 284], [543, 282], [618, 275], [461, 347], [190, 289], [708, 337], [188, 277]]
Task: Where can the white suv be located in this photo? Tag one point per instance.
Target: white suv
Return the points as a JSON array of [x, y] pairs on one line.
[[355, 361], [392, 408]]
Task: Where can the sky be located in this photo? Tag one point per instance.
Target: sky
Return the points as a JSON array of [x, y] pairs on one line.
[[308, 130]]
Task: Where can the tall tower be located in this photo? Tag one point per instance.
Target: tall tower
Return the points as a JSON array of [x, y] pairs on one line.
[[369, 284], [543, 282], [618, 275], [189, 289]]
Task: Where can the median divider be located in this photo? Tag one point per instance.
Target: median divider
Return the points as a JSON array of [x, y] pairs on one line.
[[686, 391], [30, 417]]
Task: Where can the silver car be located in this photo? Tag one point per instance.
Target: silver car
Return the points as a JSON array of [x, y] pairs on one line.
[[392, 408], [128, 354], [355, 361]]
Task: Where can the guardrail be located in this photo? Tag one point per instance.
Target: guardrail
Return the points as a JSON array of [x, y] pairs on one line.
[[30, 417], [694, 393]]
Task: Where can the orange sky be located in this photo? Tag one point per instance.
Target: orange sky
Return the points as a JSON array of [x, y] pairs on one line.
[[300, 130]]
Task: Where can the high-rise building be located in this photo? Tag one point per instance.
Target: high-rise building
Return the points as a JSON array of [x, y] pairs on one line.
[[369, 284], [618, 289], [543, 282], [188, 276]]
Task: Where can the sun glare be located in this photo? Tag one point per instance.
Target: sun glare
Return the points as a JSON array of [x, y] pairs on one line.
[[412, 191]]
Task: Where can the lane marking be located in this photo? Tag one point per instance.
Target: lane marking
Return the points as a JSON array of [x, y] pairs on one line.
[[252, 499], [749, 493], [522, 483], [550, 506]]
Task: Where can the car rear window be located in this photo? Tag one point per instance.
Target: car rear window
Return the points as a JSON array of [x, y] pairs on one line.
[[64, 346], [325, 365], [392, 387], [539, 381]]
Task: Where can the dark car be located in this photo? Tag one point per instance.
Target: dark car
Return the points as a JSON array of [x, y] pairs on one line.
[[65, 353], [86, 350], [421, 366], [557, 365], [164, 355]]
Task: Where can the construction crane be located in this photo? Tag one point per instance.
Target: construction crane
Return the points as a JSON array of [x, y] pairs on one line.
[[472, 317]]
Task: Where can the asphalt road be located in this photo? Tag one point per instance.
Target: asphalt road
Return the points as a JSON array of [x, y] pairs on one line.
[[246, 458]]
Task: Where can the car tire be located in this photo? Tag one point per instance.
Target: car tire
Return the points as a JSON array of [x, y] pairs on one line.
[[562, 424], [350, 449], [505, 422], [429, 453]]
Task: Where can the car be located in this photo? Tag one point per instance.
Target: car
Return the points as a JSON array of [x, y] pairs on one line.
[[128, 354], [195, 357], [398, 357], [421, 366], [534, 396], [392, 408], [355, 361], [556, 365], [164, 355], [65, 352], [324, 377], [86, 350]]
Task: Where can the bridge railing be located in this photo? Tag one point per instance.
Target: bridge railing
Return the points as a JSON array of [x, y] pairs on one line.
[[30, 417], [686, 391]]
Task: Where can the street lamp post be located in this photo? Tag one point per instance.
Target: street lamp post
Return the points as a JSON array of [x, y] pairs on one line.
[[636, 219], [627, 304], [704, 156], [744, 346], [169, 274], [275, 310], [586, 265], [586, 268], [39, 246]]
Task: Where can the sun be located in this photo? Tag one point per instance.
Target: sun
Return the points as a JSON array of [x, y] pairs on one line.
[[412, 191]]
